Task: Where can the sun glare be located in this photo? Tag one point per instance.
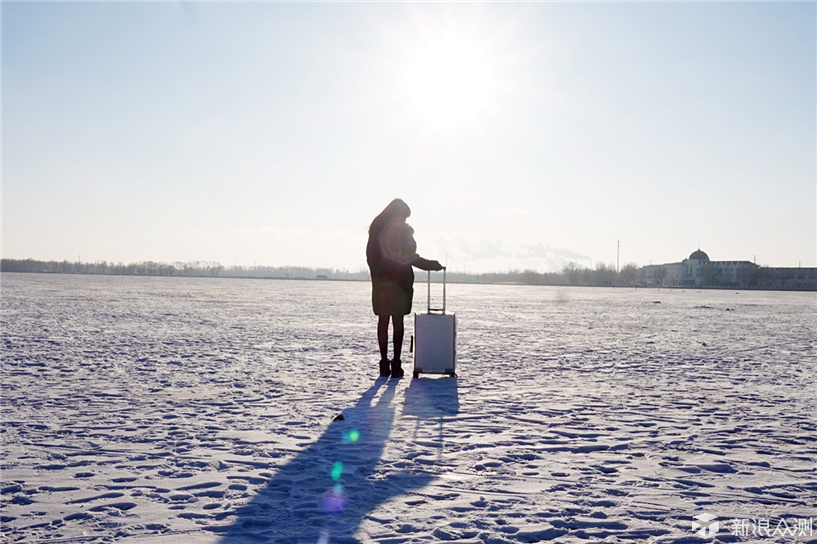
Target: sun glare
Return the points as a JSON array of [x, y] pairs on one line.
[[449, 80]]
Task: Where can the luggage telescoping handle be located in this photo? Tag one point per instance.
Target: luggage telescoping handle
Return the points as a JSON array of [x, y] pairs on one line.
[[430, 309]]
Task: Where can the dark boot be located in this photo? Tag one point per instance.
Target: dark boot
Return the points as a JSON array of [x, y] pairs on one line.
[[397, 368], [384, 367]]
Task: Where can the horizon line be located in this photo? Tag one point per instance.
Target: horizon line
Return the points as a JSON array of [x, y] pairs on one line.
[[363, 269]]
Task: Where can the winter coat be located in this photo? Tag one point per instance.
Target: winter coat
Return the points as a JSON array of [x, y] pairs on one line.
[[391, 253]]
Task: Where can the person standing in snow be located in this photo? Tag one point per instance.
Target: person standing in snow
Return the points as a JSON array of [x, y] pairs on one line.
[[391, 252]]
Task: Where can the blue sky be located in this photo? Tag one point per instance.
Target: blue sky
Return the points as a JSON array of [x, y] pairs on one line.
[[522, 135]]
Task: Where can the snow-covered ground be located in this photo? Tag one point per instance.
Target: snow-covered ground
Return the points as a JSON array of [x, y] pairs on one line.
[[155, 410]]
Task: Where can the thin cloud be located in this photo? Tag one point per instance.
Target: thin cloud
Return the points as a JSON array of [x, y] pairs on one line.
[[495, 255]]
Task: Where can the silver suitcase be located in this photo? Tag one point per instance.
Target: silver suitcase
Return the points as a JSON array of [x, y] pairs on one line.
[[435, 339]]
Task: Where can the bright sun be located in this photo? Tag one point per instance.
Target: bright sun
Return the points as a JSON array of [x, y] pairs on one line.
[[449, 80]]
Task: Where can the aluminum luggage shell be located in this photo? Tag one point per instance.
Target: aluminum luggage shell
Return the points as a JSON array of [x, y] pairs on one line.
[[435, 339]]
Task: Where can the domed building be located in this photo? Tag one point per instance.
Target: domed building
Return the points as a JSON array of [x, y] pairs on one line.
[[698, 255], [699, 271]]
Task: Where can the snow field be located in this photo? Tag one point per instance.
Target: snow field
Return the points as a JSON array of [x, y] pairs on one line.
[[200, 410]]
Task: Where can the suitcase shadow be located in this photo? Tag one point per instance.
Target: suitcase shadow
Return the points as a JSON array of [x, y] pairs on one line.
[[432, 399], [323, 494], [429, 398]]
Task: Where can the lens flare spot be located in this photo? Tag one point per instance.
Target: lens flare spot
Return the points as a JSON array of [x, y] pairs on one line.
[[337, 470], [334, 500], [353, 436]]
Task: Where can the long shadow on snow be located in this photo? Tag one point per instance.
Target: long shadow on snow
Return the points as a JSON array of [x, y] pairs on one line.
[[429, 398], [323, 494], [432, 399]]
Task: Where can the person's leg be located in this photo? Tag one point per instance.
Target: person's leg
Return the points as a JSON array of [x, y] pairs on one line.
[[383, 343], [399, 328]]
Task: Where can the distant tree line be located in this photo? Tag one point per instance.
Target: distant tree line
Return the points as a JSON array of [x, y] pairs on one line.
[[602, 275], [146, 268], [197, 269], [572, 274]]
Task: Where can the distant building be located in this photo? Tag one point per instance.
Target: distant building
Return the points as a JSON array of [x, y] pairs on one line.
[[800, 279], [699, 271]]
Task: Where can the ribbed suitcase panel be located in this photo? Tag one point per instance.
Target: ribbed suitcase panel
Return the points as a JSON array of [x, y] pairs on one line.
[[435, 343]]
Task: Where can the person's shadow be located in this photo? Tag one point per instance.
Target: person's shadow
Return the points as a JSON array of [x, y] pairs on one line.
[[323, 494]]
